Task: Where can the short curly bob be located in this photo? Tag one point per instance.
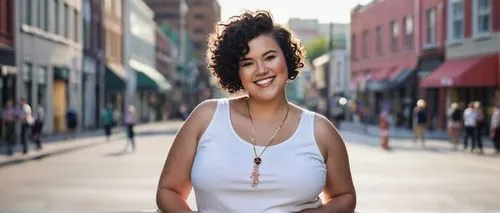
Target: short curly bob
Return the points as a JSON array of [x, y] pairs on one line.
[[229, 43]]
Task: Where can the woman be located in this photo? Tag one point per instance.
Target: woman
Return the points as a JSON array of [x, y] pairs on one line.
[[454, 124], [256, 153], [38, 127], [130, 120], [384, 130], [9, 122], [495, 128]]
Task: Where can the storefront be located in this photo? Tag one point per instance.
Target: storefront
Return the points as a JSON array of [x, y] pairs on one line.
[[462, 81]]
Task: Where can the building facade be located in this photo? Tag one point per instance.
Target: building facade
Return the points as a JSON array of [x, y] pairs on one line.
[[114, 79], [49, 54], [93, 63], [8, 70], [192, 23], [472, 68], [144, 82], [166, 65]]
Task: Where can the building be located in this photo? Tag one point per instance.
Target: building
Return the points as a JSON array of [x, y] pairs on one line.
[[193, 22], [166, 57], [305, 29], [471, 71], [48, 49], [8, 68], [144, 82], [114, 79], [93, 63], [384, 57]]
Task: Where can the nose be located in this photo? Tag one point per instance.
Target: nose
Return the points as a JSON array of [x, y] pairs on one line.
[[261, 68]]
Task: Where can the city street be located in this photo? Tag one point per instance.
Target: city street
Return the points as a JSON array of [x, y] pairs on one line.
[[103, 178]]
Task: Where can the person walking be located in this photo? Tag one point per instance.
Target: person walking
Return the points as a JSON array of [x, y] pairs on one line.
[[36, 131], [480, 121], [130, 120], [384, 130], [470, 120], [495, 128], [71, 122], [454, 124], [9, 123], [420, 121], [107, 119], [24, 116]]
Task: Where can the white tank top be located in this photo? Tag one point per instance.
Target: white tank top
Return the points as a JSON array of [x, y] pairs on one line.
[[292, 173]]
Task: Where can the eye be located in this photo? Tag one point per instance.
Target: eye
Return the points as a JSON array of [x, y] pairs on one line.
[[246, 64], [271, 57]]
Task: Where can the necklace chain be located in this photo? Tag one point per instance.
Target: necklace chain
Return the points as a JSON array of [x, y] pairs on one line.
[[271, 138]]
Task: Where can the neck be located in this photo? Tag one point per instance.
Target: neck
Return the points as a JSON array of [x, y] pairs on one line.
[[266, 111]]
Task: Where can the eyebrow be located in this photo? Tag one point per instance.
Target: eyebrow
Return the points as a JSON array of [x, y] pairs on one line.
[[266, 53]]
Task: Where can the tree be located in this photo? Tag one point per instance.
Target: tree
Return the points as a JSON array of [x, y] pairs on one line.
[[316, 48]]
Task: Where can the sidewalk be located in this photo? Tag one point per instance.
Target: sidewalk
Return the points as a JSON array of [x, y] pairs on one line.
[[60, 144], [394, 132]]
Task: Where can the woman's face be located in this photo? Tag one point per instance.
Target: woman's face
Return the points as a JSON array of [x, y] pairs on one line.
[[263, 70]]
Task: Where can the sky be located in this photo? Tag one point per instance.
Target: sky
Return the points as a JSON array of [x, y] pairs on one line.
[[337, 11]]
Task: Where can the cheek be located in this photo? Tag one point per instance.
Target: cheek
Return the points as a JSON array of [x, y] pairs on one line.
[[280, 66]]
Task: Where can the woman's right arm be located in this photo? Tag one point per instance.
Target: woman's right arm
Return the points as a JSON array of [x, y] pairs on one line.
[[175, 179]]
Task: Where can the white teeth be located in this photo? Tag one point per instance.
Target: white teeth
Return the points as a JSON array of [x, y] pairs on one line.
[[264, 81]]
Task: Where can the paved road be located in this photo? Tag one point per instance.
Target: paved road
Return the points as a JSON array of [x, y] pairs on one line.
[[103, 178]]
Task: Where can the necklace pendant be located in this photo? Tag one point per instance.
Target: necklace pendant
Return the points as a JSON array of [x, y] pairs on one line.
[[255, 172]]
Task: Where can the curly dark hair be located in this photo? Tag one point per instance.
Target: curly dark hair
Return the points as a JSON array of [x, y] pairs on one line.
[[229, 43]]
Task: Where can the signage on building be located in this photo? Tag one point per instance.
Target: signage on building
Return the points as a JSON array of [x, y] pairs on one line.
[[446, 81]]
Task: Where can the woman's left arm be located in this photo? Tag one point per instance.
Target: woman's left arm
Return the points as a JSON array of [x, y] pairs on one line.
[[339, 192]]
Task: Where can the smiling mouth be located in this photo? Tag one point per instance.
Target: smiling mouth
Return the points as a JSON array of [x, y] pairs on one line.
[[265, 82]]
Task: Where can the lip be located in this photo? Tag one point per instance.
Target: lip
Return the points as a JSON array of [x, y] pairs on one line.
[[269, 80]]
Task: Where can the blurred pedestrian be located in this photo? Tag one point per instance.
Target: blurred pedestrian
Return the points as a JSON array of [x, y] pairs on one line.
[[107, 119], [130, 120], [480, 121], [470, 120], [24, 116], [9, 123], [71, 122], [420, 121], [268, 148], [495, 128], [454, 124], [384, 129], [36, 131]]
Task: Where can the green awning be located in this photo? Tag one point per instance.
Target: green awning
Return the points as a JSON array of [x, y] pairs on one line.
[[115, 78], [148, 78]]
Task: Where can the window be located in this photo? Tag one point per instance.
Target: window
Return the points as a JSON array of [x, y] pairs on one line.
[[482, 16], [28, 5], [40, 16], [394, 35], [9, 17], [87, 27], [26, 75], [42, 87], [56, 17], [430, 26], [199, 16], [66, 20], [353, 47], [379, 40], [408, 21], [365, 44], [456, 20], [198, 31], [76, 25]]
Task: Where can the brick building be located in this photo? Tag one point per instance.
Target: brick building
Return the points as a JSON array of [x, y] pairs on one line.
[[7, 59], [472, 67], [384, 57]]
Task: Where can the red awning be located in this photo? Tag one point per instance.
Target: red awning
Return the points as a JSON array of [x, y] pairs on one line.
[[383, 74], [471, 72]]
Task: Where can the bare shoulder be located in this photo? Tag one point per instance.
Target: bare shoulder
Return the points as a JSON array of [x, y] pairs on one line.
[[327, 136], [201, 116]]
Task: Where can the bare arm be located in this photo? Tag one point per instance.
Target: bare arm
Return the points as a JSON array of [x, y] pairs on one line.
[[175, 179], [339, 192]]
